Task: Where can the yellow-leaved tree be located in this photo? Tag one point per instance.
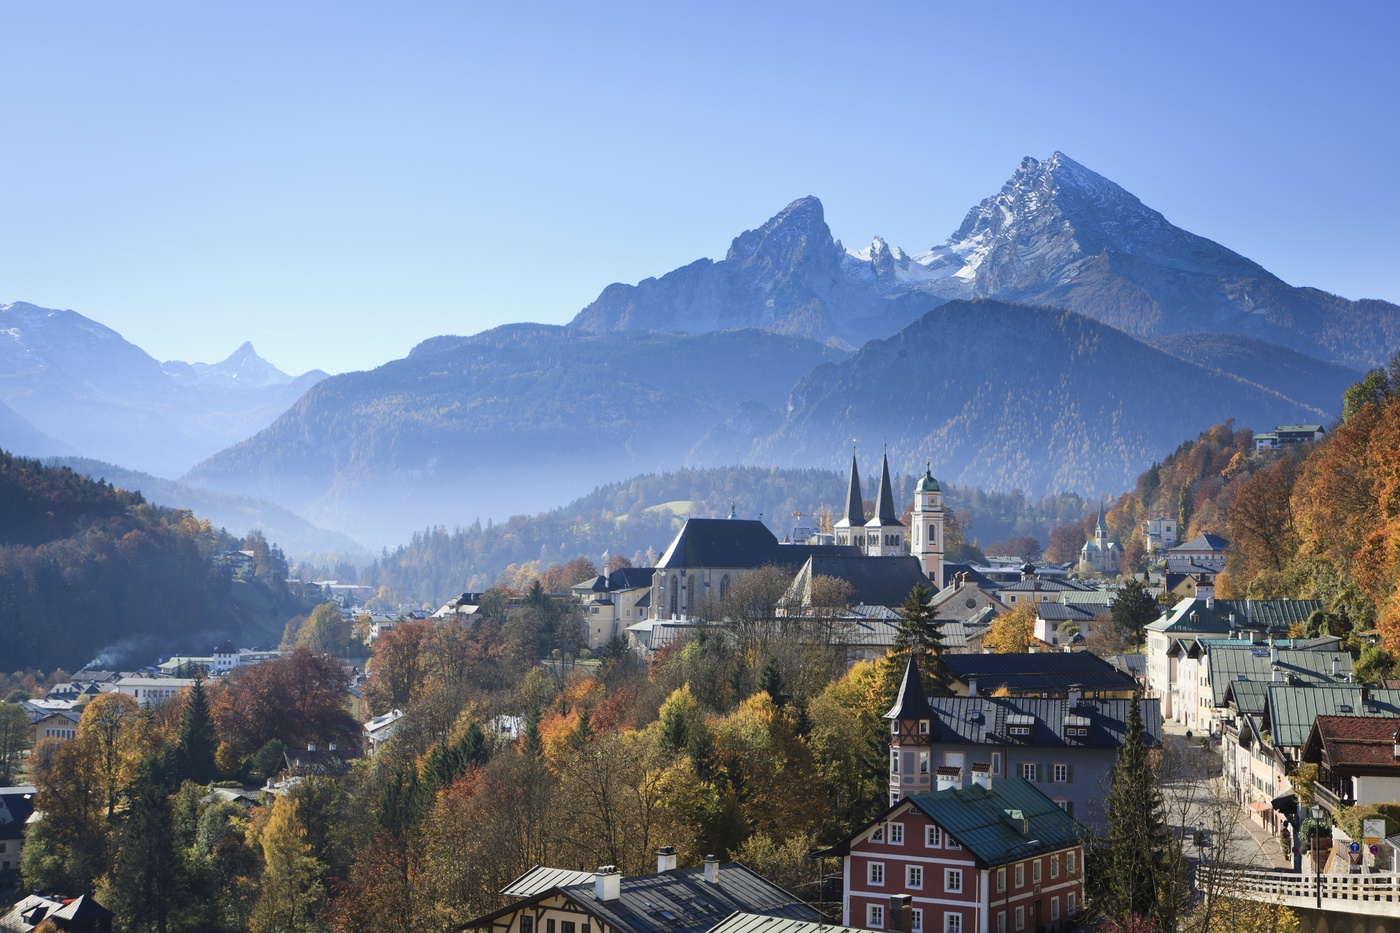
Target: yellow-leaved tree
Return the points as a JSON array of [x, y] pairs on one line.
[[291, 884], [1012, 633]]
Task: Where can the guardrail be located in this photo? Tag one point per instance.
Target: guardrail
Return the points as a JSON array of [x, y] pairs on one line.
[[1358, 894]]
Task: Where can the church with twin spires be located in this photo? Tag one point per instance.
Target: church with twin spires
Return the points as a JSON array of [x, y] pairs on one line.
[[884, 535]]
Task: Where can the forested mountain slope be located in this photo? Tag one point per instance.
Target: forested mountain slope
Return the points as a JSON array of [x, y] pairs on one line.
[[89, 572]]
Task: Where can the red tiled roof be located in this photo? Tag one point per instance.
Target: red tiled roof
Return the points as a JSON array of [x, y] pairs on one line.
[[1358, 742]]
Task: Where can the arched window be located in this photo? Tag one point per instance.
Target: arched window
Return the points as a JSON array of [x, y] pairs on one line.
[[692, 594], [675, 598], [724, 587]]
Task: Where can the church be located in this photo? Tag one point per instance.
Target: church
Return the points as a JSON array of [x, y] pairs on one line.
[[1100, 555], [709, 555]]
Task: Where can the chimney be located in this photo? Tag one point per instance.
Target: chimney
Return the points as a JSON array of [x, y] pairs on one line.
[[901, 913], [665, 859], [972, 685], [607, 882], [1336, 667], [1273, 652], [1076, 693], [310, 746], [1232, 621], [1254, 637], [1210, 601], [982, 775], [711, 870], [1365, 692], [949, 777], [1277, 675]]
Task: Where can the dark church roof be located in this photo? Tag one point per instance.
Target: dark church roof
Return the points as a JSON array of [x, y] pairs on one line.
[[738, 542], [885, 514], [855, 505], [911, 702], [876, 581]]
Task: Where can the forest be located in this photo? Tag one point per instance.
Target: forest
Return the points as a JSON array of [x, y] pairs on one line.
[[90, 572]]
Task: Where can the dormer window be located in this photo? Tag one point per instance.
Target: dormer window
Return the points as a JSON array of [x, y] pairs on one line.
[[923, 727]]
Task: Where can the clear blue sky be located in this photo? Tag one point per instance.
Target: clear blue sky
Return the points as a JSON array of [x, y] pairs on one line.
[[338, 181]]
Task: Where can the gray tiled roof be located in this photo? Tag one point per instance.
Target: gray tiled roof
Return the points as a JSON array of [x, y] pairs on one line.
[[679, 901], [758, 923], [742, 543], [542, 878], [983, 720], [1042, 672]]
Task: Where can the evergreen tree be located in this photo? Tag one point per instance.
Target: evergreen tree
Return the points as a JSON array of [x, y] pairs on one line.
[[1135, 857], [770, 681], [194, 749], [917, 634], [1133, 608], [148, 877]]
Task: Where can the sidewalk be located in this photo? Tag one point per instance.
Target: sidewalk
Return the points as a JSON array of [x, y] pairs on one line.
[[1270, 850]]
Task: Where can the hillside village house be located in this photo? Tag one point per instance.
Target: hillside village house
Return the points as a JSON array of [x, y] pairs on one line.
[[613, 602], [994, 855], [1359, 757], [677, 900], [1190, 619], [1100, 555], [149, 690], [1159, 533], [1204, 553], [1287, 434]]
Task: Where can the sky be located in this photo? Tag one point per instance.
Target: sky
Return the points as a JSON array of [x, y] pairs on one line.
[[338, 181]]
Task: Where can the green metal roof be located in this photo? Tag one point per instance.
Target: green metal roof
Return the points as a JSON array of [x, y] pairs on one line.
[[1291, 710], [999, 825], [1231, 665]]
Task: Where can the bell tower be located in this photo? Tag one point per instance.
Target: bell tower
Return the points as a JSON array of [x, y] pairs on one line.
[[926, 541], [850, 529], [911, 737]]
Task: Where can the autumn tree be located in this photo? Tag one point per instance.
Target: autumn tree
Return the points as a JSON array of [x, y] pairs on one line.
[[148, 881], [297, 699], [1262, 537], [109, 726], [399, 665], [290, 883], [1012, 632], [67, 849], [15, 739]]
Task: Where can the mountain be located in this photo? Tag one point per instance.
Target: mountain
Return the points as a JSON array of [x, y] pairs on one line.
[[95, 393], [299, 539], [1008, 396], [89, 571], [789, 276], [1303, 378], [1057, 234], [18, 434], [496, 423]]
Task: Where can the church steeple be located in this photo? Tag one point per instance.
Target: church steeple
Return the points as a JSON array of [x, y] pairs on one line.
[[884, 534], [911, 736], [851, 528], [926, 525]]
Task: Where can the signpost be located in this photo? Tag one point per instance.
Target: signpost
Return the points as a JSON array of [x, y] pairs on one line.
[[1373, 834]]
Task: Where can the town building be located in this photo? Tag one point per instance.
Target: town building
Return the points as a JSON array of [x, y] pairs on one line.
[[1288, 434], [676, 900], [995, 854], [614, 601], [1159, 533], [1204, 553], [1359, 757], [1045, 674], [16, 807], [151, 690]]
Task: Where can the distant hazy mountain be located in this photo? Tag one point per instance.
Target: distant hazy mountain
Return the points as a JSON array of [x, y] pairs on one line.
[[238, 515], [1005, 396], [85, 386], [501, 423], [1303, 378], [19, 435], [1057, 234]]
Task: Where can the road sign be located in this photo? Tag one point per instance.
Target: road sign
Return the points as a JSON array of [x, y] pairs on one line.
[[1375, 849], [1354, 847]]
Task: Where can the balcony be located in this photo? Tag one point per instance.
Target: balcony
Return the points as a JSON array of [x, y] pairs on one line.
[[1328, 798]]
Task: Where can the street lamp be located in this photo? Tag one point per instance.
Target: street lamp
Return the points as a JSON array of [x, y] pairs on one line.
[[1317, 814]]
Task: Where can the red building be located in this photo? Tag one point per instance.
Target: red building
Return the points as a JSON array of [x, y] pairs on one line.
[[989, 857]]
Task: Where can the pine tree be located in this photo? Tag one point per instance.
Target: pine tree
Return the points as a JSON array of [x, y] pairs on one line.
[[195, 746], [1135, 855], [770, 681], [148, 876], [918, 634]]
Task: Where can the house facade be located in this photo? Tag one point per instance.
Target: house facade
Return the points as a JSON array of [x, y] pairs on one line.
[[995, 854]]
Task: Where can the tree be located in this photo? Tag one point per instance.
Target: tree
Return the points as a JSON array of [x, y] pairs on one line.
[[400, 665], [298, 698], [1133, 608], [109, 725], [196, 743], [290, 883], [1012, 632], [917, 634], [325, 631], [1135, 853], [148, 878], [15, 739], [1262, 537]]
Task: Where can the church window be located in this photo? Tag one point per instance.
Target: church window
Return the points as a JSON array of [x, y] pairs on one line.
[[724, 587], [675, 601]]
